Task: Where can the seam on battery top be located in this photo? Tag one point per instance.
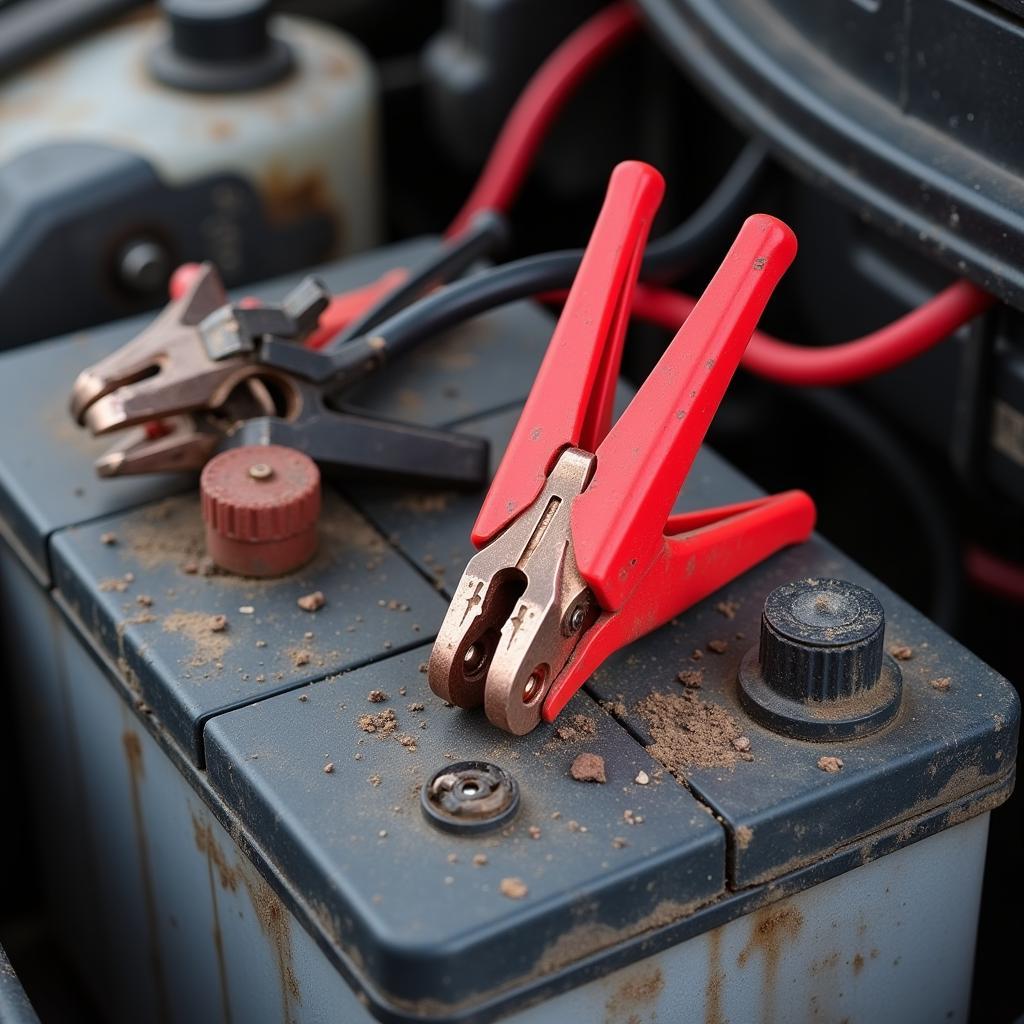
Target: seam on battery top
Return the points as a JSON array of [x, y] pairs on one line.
[[506, 407], [323, 677], [413, 564], [625, 723]]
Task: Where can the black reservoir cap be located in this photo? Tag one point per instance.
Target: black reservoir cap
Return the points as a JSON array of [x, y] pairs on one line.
[[219, 46]]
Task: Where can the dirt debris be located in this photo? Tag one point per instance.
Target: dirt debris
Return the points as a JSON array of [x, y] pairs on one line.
[[901, 652], [728, 608], [421, 503], [690, 733], [383, 723], [718, 646], [479, 859], [828, 763], [741, 743], [941, 684], [329, 768], [407, 741], [642, 779], [109, 538], [414, 706], [208, 644], [697, 655], [513, 888], [534, 831], [588, 768], [145, 600], [376, 696], [218, 623], [578, 727], [619, 842], [691, 678], [300, 658], [374, 780], [615, 707], [117, 584], [312, 602]]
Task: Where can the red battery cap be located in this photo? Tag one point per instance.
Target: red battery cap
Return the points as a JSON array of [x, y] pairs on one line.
[[260, 506]]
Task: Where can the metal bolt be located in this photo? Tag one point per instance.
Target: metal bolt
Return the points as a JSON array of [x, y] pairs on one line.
[[144, 265], [261, 471], [579, 613]]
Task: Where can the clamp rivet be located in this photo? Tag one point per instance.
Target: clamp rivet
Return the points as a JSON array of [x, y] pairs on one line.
[[474, 657], [535, 684], [577, 617], [261, 471]]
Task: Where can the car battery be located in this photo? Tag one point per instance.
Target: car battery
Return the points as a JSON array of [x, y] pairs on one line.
[[14, 1004], [250, 806]]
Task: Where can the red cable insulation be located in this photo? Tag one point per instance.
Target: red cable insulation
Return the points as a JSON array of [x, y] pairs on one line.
[[539, 104], [521, 136], [833, 365], [994, 574]]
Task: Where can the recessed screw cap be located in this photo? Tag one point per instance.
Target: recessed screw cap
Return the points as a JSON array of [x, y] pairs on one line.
[[470, 796], [820, 671], [260, 505]]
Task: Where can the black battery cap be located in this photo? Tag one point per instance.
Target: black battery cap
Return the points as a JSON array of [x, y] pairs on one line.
[[820, 670]]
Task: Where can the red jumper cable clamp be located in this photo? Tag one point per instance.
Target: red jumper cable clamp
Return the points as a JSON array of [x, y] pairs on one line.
[[579, 555]]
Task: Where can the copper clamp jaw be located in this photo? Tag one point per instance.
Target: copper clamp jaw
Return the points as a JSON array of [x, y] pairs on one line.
[[519, 611]]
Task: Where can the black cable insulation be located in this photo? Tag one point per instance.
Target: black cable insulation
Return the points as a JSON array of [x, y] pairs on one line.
[[672, 254], [486, 234]]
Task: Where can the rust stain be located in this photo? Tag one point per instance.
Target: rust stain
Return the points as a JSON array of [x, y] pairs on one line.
[[639, 989], [207, 845], [587, 938], [136, 773], [276, 925], [270, 912], [214, 857], [771, 929], [336, 66], [858, 963], [716, 980], [293, 197], [220, 129]]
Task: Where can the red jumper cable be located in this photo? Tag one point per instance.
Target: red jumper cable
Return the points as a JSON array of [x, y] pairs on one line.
[[579, 552], [551, 85], [844, 363]]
